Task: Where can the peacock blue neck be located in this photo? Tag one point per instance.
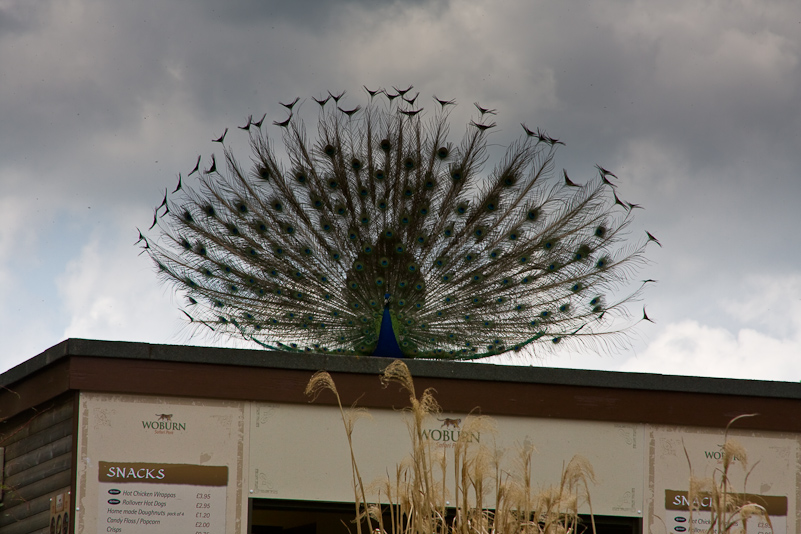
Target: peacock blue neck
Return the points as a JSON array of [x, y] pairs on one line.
[[387, 342]]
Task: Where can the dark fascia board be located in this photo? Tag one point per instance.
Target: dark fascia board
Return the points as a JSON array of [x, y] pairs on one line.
[[419, 368]]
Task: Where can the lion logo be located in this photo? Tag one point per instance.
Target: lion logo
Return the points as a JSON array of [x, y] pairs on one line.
[[446, 423], [164, 416]]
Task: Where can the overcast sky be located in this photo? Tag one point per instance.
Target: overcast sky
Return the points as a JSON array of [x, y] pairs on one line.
[[694, 104]]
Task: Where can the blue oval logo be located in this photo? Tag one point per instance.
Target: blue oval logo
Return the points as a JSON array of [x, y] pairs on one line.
[[679, 519], [114, 492], [114, 501], [680, 529]]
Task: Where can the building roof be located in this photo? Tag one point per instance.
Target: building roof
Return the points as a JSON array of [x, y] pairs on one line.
[[240, 374]]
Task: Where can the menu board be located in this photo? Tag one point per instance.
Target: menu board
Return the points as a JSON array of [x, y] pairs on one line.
[[158, 465], [152, 498], [679, 519], [764, 475]]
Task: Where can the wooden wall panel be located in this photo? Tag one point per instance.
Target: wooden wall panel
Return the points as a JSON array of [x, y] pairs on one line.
[[38, 464]]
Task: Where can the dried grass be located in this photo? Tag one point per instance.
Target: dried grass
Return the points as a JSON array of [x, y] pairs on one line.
[[729, 510], [414, 498]]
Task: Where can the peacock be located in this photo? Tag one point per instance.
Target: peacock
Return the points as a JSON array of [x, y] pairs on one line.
[[380, 235]]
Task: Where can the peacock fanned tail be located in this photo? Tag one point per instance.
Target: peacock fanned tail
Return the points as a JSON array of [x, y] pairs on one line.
[[380, 236]]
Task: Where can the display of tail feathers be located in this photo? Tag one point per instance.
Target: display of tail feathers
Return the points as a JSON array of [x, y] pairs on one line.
[[383, 236]]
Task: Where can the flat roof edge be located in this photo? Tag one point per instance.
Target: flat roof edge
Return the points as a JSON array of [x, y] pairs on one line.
[[419, 368], [37, 363]]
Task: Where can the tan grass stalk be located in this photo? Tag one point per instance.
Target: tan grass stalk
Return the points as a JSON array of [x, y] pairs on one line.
[[729, 510], [416, 494]]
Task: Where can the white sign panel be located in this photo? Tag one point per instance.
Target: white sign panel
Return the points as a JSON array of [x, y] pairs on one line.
[[301, 452], [766, 475], [158, 465]]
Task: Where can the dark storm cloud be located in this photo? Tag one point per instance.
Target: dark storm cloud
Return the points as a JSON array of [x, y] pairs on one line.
[[708, 89], [74, 73], [314, 14]]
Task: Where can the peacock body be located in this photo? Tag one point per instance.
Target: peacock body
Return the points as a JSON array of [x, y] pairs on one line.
[[381, 236]]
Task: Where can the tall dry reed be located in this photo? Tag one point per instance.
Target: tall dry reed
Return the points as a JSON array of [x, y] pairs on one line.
[[488, 496], [729, 509]]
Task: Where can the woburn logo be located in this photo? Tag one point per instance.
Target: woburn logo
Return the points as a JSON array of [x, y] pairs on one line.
[[163, 424], [449, 432], [718, 455]]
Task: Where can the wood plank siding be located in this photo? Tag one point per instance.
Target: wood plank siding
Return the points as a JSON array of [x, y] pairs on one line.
[[38, 464]]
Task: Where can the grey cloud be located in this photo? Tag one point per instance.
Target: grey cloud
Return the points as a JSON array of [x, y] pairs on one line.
[[316, 14], [693, 105]]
